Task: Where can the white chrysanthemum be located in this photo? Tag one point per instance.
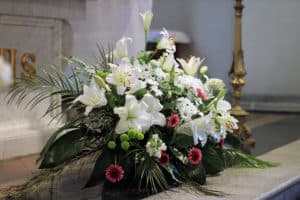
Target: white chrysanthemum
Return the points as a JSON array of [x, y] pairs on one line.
[[154, 146], [216, 84], [92, 97], [133, 115], [186, 108], [6, 76], [188, 82]]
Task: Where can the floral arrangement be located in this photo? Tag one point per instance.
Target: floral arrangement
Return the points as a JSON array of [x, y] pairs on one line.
[[152, 123]]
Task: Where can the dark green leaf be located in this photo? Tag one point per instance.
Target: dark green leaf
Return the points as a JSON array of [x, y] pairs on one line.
[[98, 175], [140, 93], [212, 160], [197, 174], [183, 141], [234, 141], [64, 148]]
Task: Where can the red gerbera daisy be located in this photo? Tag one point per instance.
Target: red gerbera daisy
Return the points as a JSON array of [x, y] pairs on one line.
[[201, 93], [173, 120], [195, 156], [164, 159], [114, 173], [221, 144]]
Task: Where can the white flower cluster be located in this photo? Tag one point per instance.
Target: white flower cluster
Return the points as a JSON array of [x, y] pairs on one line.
[[202, 113], [155, 145]]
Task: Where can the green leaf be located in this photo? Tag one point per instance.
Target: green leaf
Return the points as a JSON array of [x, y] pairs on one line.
[[233, 141], [144, 57], [182, 141], [114, 99], [235, 158], [64, 149], [197, 174], [98, 175], [140, 93], [212, 160]]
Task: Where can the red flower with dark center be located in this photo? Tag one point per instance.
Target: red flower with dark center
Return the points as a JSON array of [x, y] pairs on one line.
[[164, 159], [201, 93], [221, 144], [114, 173], [173, 120], [195, 156]]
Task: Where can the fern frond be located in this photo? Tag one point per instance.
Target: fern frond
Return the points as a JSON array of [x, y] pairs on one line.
[[49, 84], [199, 189]]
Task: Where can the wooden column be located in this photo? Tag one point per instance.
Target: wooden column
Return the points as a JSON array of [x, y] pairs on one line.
[[237, 73]]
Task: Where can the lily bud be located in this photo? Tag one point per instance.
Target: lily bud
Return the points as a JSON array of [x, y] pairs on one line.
[[101, 82], [203, 69], [147, 19]]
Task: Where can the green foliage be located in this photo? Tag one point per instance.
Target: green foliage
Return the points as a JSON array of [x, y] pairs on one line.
[[149, 175], [144, 57], [212, 159], [64, 148], [104, 159], [140, 93], [114, 99], [197, 174], [103, 74], [50, 83], [233, 141], [182, 141], [235, 158]]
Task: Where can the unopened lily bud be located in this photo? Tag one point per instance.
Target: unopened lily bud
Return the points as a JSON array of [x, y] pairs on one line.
[[101, 82], [203, 69]]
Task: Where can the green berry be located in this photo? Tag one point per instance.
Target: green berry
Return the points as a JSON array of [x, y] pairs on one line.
[[125, 145], [111, 145], [124, 137], [140, 136]]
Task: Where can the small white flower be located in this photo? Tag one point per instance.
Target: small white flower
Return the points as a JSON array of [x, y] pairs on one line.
[[125, 77], [186, 108], [189, 83], [166, 42], [6, 76], [191, 65], [92, 97], [147, 19], [154, 108], [156, 90], [215, 84], [121, 50], [154, 146]]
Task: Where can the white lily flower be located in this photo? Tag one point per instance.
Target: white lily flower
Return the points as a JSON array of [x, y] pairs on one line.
[[228, 122], [223, 107], [6, 76], [147, 19], [121, 50], [154, 108], [191, 65], [133, 115], [125, 77], [92, 97], [166, 42]]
